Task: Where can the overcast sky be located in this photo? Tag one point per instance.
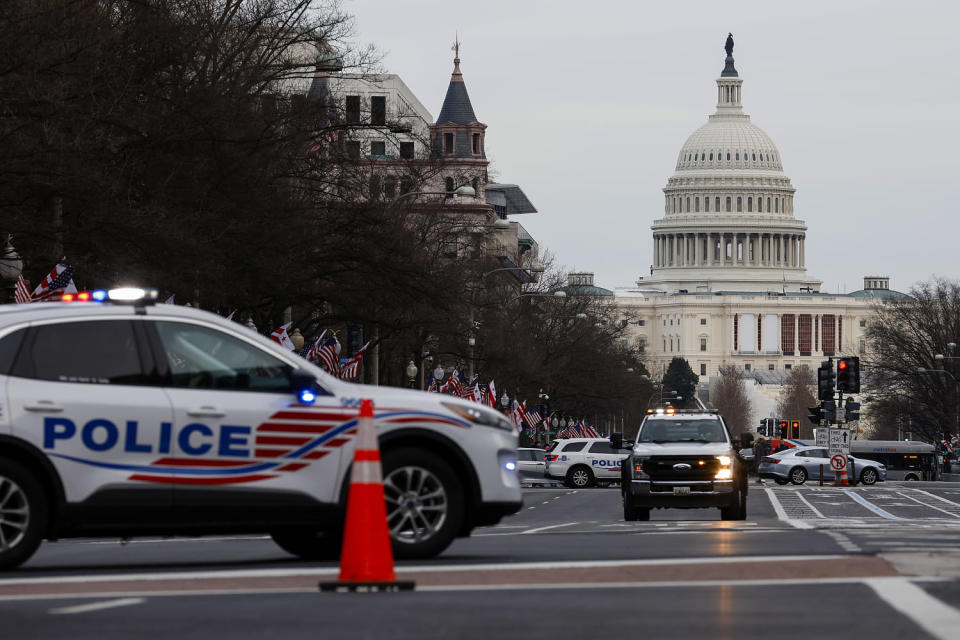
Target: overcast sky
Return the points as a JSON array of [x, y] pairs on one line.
[[588, 104]]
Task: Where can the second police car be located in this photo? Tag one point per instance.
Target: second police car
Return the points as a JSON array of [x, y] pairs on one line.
[[583, 462], [128, 418]]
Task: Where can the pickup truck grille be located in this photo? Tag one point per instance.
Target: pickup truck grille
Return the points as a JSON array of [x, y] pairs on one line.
[[663, 468]]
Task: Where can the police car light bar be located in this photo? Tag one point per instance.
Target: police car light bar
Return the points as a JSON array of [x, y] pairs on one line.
[[132, 294], [123, 295]]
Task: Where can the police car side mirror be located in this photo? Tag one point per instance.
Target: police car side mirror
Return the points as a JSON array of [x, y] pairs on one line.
[[616, 440]]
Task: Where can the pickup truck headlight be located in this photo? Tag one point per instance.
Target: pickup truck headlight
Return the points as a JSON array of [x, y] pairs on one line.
[[636, 468], [480, 416], [726, 471]]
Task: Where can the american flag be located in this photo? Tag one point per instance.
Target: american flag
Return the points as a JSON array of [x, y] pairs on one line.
[[58, 281], [281, 337], [309, 351], [592, 433], [491, 398], [329, 355], [321, 138], [351, 368], [22, 294], [532, 417], [453, 384]]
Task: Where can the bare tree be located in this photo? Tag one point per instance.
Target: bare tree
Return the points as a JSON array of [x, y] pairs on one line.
[[902, 366], [797, 395], [729, 397]]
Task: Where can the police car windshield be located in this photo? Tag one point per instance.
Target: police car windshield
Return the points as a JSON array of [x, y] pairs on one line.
[[659, 430]]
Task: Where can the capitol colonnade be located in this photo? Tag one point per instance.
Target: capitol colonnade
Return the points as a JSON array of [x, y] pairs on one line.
[[729, 248]]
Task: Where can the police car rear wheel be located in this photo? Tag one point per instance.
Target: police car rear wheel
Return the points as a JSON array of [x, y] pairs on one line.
[[425, 502], [23, 514], [580, 477]]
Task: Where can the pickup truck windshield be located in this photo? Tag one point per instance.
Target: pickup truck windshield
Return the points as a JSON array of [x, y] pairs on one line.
[[658, 431]]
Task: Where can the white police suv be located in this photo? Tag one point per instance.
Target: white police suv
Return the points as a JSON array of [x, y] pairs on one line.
[[582, 462], [119, 417]]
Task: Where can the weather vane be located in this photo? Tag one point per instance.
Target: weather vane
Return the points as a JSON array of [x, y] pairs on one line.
[[456, 45]]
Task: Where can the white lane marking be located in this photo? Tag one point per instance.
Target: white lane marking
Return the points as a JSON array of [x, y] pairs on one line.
[[575, 585], [96, 606], [528, 508], [442, 568], [845, 543], [949, 513], [668, 584], [869, 505], [778, 508], [933, 495], [812, 508], [932, 614], [552, 526]]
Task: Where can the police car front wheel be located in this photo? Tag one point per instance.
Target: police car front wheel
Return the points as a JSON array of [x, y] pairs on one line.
[[23, 514], [425, 502]]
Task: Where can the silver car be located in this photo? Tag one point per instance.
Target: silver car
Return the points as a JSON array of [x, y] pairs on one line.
[[531, 462], [805, 463]]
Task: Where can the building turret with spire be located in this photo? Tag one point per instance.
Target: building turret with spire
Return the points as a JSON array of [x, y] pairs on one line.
[[457, 137]]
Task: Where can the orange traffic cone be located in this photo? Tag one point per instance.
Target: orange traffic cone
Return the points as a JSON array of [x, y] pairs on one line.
[[366, 560]]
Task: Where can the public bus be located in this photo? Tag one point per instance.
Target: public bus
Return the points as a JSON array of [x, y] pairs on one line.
[[904, 460]]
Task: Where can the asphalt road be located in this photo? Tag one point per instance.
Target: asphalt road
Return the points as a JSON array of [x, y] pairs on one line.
[[882, 561]]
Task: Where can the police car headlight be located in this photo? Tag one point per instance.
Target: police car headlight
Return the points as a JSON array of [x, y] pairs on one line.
[[480, 416], [724, 461]]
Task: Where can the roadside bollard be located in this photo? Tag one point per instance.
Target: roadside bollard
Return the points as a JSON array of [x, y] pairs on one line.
[[821, 474]]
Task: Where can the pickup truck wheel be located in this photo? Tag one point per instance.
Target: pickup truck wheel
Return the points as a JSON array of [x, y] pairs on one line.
[[23, 514], [631, 512], [580, 477], [736, 511]]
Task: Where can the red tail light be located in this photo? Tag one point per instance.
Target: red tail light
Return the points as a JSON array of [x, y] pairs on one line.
[[552, 458], [772, 460]]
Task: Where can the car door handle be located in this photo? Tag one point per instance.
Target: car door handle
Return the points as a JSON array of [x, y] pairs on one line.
[[44, 406], [206, 412]]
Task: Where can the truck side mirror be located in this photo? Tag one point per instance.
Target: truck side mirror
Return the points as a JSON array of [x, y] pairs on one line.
[[616, 440]]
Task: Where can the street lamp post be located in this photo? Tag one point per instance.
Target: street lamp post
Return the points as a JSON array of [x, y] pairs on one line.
[[11, 266], [412, 374], [543, 409]]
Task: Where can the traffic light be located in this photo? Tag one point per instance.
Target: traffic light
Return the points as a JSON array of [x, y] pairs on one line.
[[782, 429], [829, 410], [795, 429], [848, 375], [853, 410], [825, 379], [816, 414]]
